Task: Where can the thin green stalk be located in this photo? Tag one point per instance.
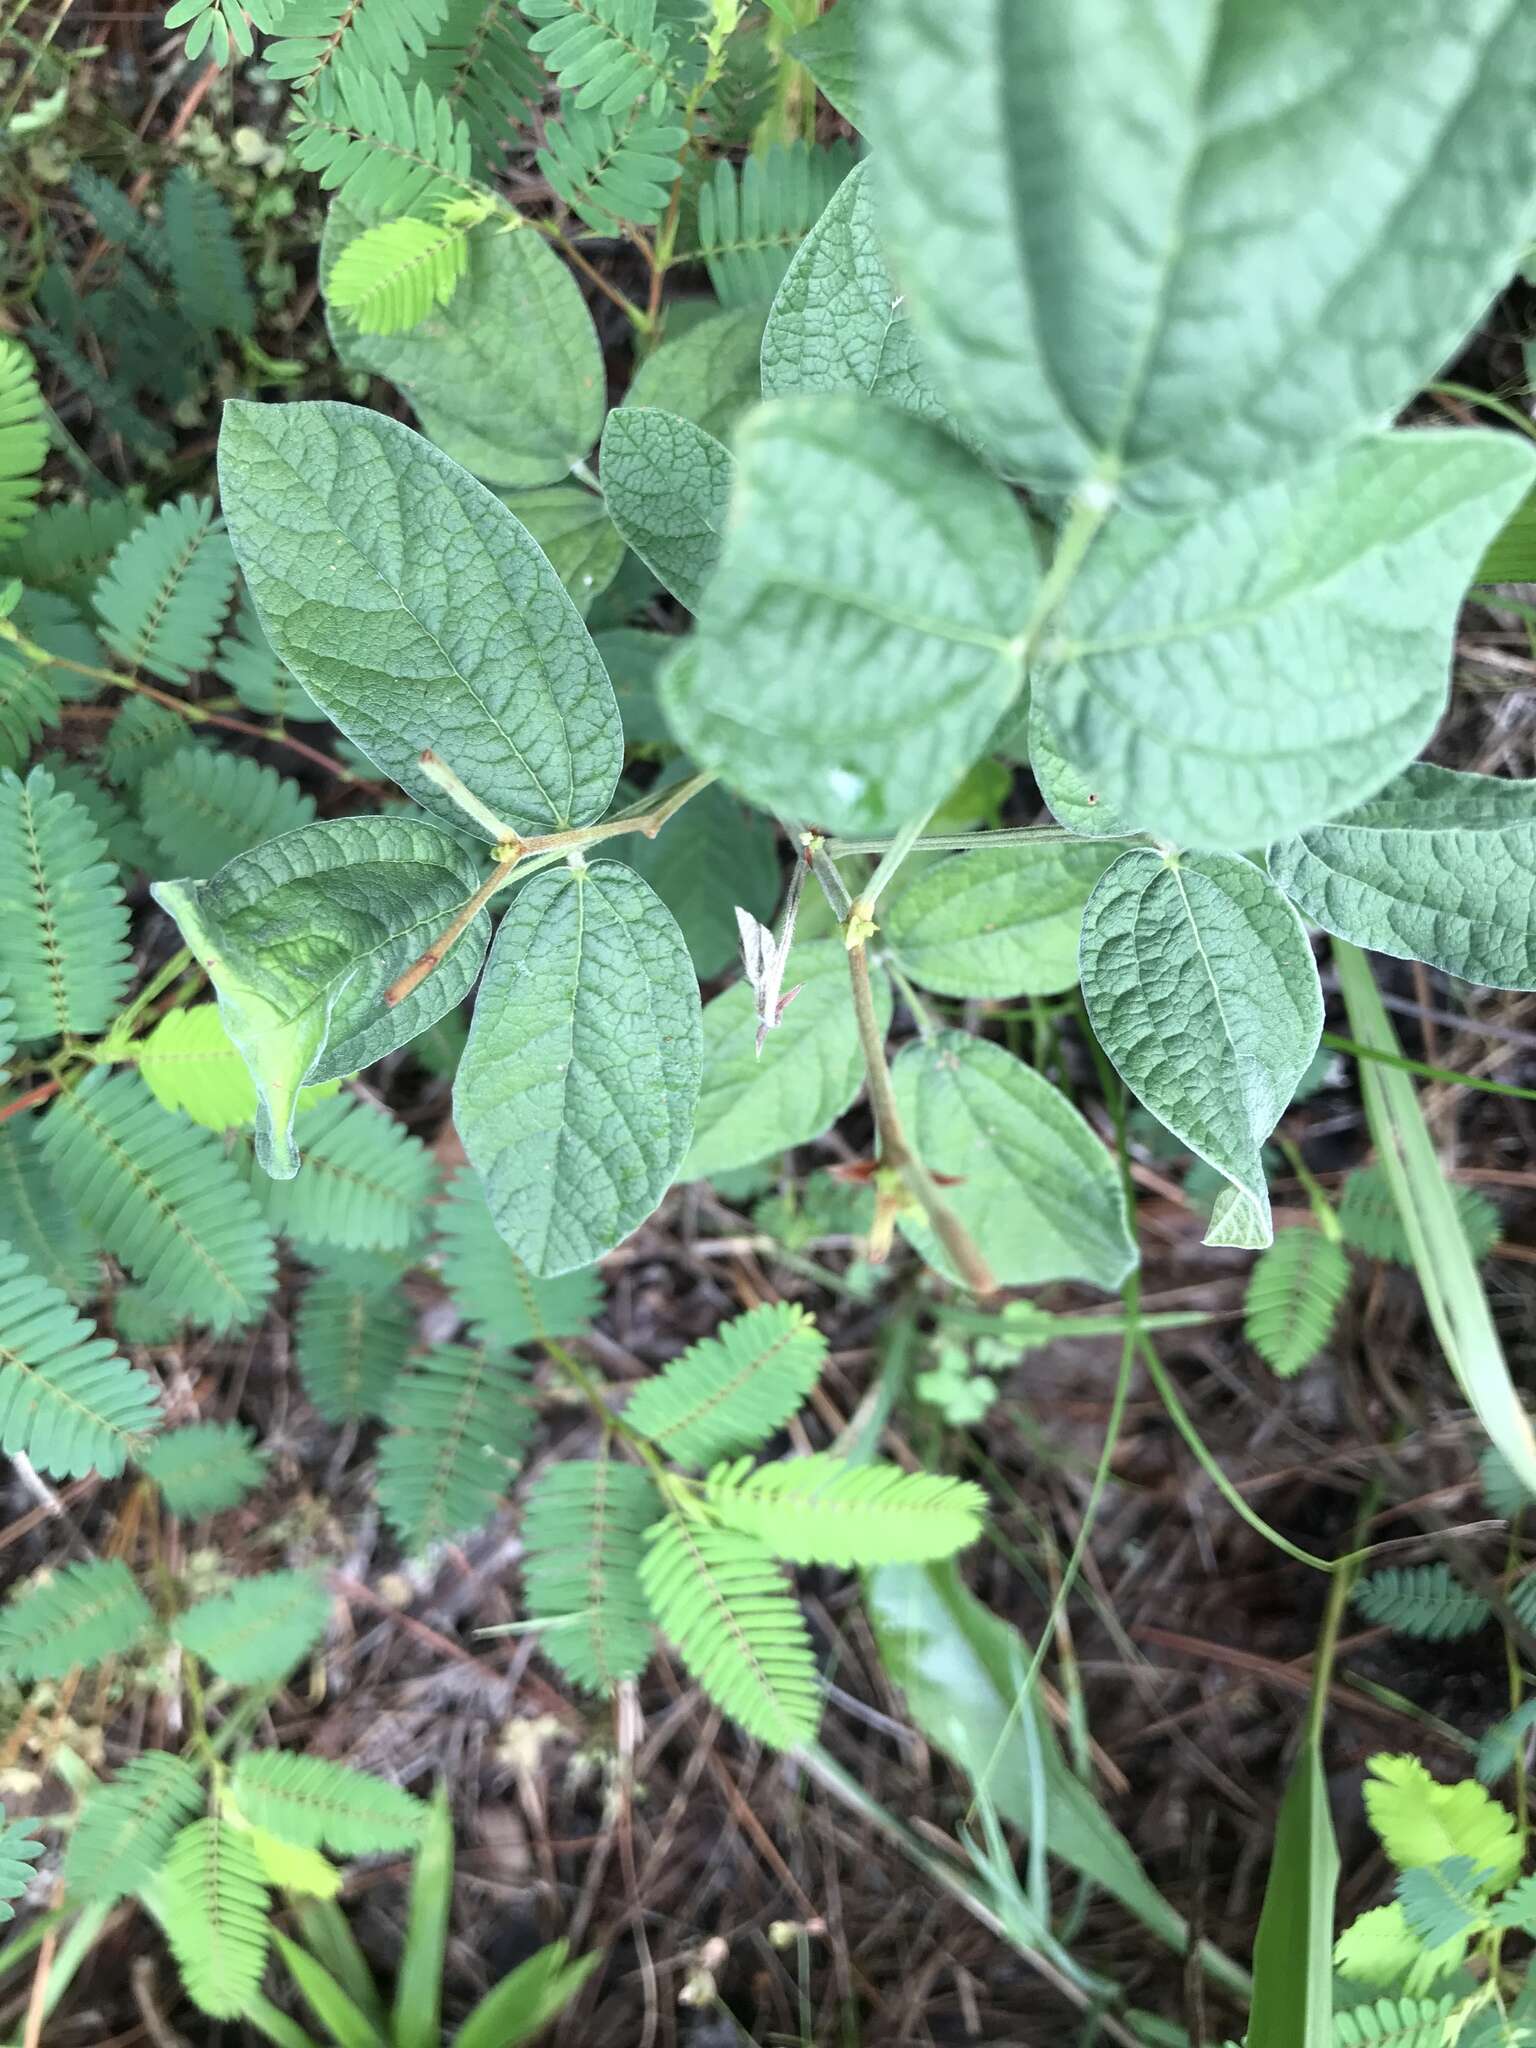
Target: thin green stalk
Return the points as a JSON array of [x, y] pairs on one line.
[[1405, 1065], [888, 864], [975, 840]]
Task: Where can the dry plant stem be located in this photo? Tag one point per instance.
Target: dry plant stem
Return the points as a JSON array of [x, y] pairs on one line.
[[895, 1151]]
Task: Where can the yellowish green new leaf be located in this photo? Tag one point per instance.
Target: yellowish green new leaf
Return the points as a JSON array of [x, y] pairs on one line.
[[824, 1510], [393, 275]]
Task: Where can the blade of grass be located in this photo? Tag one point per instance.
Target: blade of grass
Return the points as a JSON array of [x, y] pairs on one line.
[[1453, 1292], [419, 1987]]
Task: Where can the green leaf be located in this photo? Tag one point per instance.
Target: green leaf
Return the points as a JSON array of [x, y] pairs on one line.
[[633, 659], [419, 1982], [492, 1288], [732, 1391], [1033, 1184], [863, 544], [257, 1633], [828, 46], [127, 1825], [1202, 990], [838, 322], [1292, 1297], [522, 2005], [316, 1804], [1378, 1948], [207, 269], [458, 1423], [712, 856], [205, 1467], [1341, 581], [719, 1597], [202, 808], [363, 1185], [1293, 1950], [216, 1916], [960, 1669], [351, 1338], [36, 1220], [393, 276], [23, 438], [164, 594], [810, 1070], [1372, 1223], [998, 922], [753, 216], [576, 1091], [1439, 867], [667, 484], [1121, 283], [79, 1615], [1421, 1821], [707, 374], [519, 416], [302, 937], [823, 1510], [65, 923], [161, 1195], [583, 1525], [572, 526], [418, 613], [1421, 1600], [68, 1400], [18, 1852], [1497, 1749], [192, 1064], [345, 2022]]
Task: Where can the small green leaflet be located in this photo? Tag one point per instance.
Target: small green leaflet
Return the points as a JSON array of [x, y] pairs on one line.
[[576, 1091], [572, 526], [866, 546], [302, 936], [809, 1072], [1202, 989], [1439, 867], [1033, 1184], [667, 484], [1246, 673], [838, 322], [419, 613], [998, 922], [1121, 284], [708, 373], [259, 1630], [517, 416]]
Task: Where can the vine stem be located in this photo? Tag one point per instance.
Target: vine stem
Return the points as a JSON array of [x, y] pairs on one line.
[[964, 842]]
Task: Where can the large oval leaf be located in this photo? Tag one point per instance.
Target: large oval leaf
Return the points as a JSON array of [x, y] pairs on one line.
[[865, 548], [1123, 281], [418, 613], [667, 484], [1032, 1183], [1233, 677], [998, 922], [576, 1091], [1203, 991], [302, 936], [1439, 867], [507, 378]]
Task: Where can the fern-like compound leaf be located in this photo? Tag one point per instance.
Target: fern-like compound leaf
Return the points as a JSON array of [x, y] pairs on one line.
[[23, 437], [752, 220], [610, 169], [1369, 1219], [62, 913], [122, 835], [161, 1195], [1443, 1901], [79, 1615], [163, 598], [190, 1063], [458, 1425], [383, 150], [394, 274], [120, 221], [822, 1510], [259, 1630], [720, 1598], [29, 702], [127, 1825], [351, 1339], [1395, 2023], [202, 808], [606, 53], [68, 1400], [206, 266], [220, 26], [143, 733], [730, 1392], [492, 1288], [1421, 1821], [67, 545], [246, 662], [358, 37], [478, 63], [35, 1220], [215, 1912], [1421, 1600], [204, 1467], [1293, 1295], [18, 1852], [314, 1804], [364, 1182], [584, 1525]]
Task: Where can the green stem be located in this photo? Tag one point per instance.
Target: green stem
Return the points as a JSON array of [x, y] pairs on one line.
[[974, 841], [1357, 1051], [892, 858]]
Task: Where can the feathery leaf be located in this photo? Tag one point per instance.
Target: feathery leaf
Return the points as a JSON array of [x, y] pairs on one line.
[[80, 1614], [204, 1467], [1369, 1219], [315, 1804], [119, 220], [216, 1915], [610, 169], [492, 1288], [1421, 1600], [1395, 2023], [68, 544], [730, 1392], [163, 597], [126, 1827], [160, 1194], [206, 266], [753, 219], [220, 25], [720, 1598], [358, 37], [202, 808], [23, 437], [607, 53], [68, 1400], [142, 734], [260, 1629], [822, 1510], [29, 702], [351, 1341], [583, 1527], [394, 274], [1421, 1821], [1293, 1295], [458, 1423], [18, 1852], [62, 912], [383, 151], [34, 1218], [478, 63], [364, 1182]]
